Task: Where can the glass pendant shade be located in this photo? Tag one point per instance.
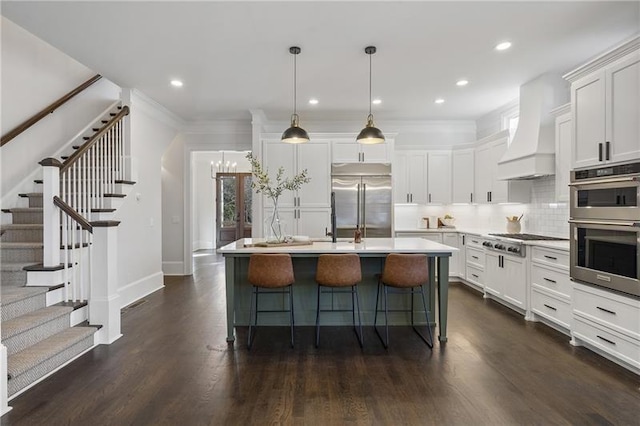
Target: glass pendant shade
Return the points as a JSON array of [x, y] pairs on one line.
[[370, 135], [295, 133]]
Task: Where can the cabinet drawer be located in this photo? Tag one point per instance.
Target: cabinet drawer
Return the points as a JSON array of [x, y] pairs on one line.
[[475, 275], [473, 241], [620, 346], [550, 257], [607, 309], [558, 283], [475, 257], [551, 308]]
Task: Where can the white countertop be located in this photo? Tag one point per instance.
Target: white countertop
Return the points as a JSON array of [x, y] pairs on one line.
[[368, 246]]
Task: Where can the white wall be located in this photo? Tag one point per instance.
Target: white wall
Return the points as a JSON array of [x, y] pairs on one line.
[[140, 232], [173, 207], [35, 74]]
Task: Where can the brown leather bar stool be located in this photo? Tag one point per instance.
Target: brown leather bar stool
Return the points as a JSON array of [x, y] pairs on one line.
[[403, 273], [270, 273], [338, 271]]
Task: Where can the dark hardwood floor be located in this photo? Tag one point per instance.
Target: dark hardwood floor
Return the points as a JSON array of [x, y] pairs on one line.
[[174, 367]]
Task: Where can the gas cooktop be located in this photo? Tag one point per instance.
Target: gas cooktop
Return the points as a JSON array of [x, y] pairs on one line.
[[529, 237]]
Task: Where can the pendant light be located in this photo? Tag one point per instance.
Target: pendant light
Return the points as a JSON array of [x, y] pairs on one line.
[[295, 133], [370, 134]]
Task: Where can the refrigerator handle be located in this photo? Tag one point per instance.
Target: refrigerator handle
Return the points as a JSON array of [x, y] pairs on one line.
[[358, 208], [364, 209]]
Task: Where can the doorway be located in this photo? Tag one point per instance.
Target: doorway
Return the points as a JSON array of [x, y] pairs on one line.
[[233, 207]]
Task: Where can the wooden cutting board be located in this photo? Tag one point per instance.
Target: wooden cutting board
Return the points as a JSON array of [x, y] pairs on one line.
[[291, 244]]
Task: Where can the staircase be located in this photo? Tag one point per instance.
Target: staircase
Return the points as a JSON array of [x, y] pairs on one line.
[[45, 318]]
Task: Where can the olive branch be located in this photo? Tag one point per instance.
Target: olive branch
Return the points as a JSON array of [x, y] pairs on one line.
[[262, 183]]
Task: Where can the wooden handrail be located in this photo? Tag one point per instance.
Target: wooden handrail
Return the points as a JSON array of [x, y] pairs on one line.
[[48, 110], [74, 214], [88, 144]]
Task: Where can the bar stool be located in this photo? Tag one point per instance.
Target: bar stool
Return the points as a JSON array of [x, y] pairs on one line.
[[403, 273], [339, 271], [270, 273]]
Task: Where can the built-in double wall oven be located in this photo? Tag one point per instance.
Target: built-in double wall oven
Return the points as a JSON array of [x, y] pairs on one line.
[[605, 227]]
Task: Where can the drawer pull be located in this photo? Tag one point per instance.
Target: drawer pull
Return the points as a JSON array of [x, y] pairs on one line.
[[474, 275], [606, 310], [551, 257], [606, 340], [550, 307], [475, 257], [550, 280]]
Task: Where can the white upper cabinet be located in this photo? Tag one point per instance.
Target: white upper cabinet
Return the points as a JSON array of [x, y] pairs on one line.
[[605, 99], [276, 154], [462, 176], [439, 177], [350, 151], [422, 177], [489, 189], [564, 142]]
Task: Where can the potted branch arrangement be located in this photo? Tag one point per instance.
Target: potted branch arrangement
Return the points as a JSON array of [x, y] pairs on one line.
[[274, 227]]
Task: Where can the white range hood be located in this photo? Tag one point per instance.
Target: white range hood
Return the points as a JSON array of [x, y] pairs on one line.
[[531, 153]]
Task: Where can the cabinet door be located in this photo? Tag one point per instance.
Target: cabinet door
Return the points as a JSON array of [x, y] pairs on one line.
[[588, 115], [439, 177], [287, 221], [400, 178], [417, 177], [483, 173], [378, 153], [563, 156], [623, 109], [462, 255], [499, 188], [313, 222], [462, 176], [494, 283], [451, 239], [514, 281], [345, 152], [315, 158], [436, 237], [277, 154]]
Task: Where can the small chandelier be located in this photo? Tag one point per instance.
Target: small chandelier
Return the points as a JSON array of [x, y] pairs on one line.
[[370, 134], [295, 133]]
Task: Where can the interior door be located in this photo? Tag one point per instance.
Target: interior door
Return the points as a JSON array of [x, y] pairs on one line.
[[233, 207]]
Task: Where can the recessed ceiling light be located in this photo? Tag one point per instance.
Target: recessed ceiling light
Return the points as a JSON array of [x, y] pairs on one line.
[[176, 83], [439, 101], [376, 101], [462, 83], [313, 101], [503, 46]]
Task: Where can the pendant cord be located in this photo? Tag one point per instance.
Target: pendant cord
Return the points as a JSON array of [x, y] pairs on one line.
[[295, 81], [370, 84]]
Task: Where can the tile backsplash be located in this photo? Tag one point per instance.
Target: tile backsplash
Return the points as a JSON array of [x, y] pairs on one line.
[[542, 216]]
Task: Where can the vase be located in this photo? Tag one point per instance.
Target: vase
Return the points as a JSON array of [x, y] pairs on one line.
[[513, 227], [274, 226]]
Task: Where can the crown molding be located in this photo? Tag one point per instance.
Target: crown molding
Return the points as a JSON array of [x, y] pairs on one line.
[[218, 127], [630, 45], [562, 109], [144, 103]]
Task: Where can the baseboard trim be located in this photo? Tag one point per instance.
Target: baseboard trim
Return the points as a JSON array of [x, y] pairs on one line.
[[140, 288], [173, 268]]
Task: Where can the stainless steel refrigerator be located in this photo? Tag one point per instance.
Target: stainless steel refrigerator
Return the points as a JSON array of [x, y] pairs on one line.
[[362, 199]]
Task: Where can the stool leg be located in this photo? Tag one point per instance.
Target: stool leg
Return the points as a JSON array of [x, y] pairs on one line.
[[386, 316], [291, 311], [251, 309], [426, 313], [318, 319], [380, 285], [360, 337]]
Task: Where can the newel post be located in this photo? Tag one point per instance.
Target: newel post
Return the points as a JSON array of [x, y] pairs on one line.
[[50, 212], [104, 302]]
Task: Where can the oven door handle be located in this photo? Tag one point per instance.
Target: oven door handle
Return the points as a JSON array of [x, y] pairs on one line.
[[612, 180], [603, 222]]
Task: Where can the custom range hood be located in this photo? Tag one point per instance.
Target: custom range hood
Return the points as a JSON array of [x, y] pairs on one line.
[[531, 153]]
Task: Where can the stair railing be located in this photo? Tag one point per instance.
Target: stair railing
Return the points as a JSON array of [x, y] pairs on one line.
[[49, 109], [78, 188]]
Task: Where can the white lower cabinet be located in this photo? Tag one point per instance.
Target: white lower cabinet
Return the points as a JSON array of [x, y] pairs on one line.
[[451, 239], [608, 323], [551, 288], [312, 222], [505, 278], [473, 261]]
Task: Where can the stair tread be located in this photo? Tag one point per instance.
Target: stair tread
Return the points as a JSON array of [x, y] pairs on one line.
[[19, 245], [31, 320], [23, 210], [22, 226], [30, 194], [15, 294], [30, 357], [14, 266]]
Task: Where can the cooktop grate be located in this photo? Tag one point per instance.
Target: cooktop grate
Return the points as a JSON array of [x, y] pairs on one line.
[[529, 237]]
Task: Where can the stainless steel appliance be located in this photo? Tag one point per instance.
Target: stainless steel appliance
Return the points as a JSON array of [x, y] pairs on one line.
[[513, 243], [605, 227], [362, 199]]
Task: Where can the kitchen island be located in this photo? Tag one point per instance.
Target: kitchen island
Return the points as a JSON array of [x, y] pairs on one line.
[[372, 252]]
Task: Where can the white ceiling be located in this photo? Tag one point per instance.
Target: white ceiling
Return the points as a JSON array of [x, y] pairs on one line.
[[233, 56]]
